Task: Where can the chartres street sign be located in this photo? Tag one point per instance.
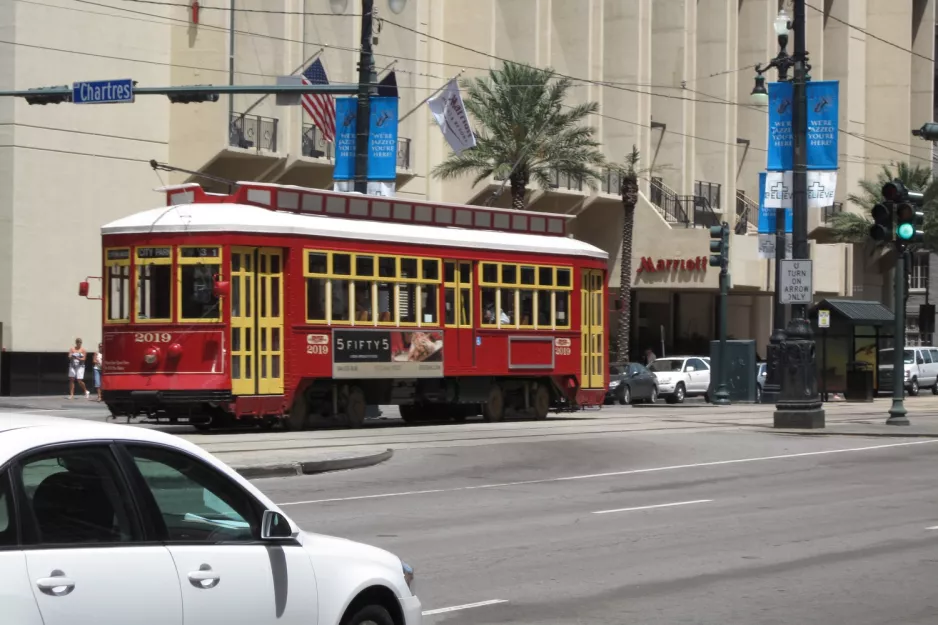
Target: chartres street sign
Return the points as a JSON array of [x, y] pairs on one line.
[[103, 91], [796, 287]]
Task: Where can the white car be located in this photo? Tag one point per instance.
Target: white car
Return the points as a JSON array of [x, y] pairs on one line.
[[112, 525], [681, 376]]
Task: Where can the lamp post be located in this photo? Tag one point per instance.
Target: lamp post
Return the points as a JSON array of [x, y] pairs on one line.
[[782, 63], [367, 79], [798, 404]]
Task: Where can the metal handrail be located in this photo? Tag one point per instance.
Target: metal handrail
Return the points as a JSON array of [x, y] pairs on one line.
[[252, 132]]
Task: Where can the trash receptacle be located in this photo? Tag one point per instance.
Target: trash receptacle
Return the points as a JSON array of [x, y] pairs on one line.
[[859, 382]]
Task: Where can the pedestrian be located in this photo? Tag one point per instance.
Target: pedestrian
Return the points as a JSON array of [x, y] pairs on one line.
[[98, 362], [649, 357], [76, 369]]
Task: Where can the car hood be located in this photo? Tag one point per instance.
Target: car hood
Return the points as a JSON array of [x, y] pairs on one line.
[[328, 546]]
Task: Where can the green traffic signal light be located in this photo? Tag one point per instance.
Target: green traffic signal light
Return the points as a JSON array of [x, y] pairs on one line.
[[719, 245], [905, 231]]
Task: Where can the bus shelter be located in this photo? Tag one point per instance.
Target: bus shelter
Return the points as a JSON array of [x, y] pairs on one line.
[[856, 332]]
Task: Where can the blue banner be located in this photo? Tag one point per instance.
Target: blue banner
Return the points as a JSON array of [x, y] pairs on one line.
[[766, 222], [382, 153], [781, 147], [823, 117]]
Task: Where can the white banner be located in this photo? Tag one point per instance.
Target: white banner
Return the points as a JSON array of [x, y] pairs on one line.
[[448, 111], [767, 246], [375, 187], [779, 189]]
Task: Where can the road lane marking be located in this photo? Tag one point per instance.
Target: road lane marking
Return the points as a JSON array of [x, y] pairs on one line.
[[465, 606], [932, 528], [660, 505], [592, 476]]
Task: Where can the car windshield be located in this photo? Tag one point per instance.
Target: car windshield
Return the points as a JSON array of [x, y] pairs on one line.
[[663, 365], [614, 370]]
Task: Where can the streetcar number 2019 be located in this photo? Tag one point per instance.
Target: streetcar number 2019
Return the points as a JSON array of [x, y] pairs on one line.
[[562, 351], [317, 349], [152, 337]]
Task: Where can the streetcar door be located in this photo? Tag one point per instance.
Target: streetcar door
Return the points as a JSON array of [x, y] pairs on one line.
[[592, 336], [459, 335], [256, 321]]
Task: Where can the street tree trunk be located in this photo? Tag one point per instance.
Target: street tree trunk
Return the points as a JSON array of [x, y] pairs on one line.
[[518, 182], [629, 192]]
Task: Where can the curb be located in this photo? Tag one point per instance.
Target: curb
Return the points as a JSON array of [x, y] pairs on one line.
[[859, 434], [313, 467]]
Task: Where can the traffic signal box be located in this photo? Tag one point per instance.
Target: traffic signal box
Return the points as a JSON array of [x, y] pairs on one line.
[[720, 246], [909, 218]]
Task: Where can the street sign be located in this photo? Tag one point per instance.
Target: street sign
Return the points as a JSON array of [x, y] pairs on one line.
[[796, 282], [103, 91], [823, 318]]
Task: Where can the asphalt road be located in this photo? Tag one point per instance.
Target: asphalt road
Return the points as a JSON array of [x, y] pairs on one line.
[[724, 527]]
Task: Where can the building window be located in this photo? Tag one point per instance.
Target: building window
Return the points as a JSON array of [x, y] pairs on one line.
[[913, 335], [918, 275]]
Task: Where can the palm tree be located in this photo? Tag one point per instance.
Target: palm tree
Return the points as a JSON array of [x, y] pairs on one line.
[[850, 227], [526, 132]]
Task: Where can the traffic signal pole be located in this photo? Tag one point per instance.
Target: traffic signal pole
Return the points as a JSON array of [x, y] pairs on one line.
[[720, 257], [897, 412]]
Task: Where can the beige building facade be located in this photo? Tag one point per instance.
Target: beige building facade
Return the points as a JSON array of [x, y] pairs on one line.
[[671, 76]]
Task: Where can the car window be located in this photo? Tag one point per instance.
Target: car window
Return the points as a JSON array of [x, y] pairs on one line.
[[613, 370], [697, 364], [934, 354], [926, 356], [196, 502], [664, 365], [76, 497], [639, 369], [633, 369], [7, 529]]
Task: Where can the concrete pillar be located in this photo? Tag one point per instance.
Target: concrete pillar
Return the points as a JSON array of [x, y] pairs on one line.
[[717, 24], [673, 43], [757, 45]]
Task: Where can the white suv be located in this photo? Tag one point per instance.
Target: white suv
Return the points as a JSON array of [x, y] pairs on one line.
[[113, 525], [681, 376], [920, 368]]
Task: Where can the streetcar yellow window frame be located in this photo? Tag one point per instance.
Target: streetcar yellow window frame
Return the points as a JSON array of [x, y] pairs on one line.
[[139, 265], [181, 263], [510, 292], [108, 264], [457, 286]]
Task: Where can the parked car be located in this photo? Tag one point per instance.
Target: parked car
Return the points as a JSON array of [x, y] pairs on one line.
[[631, 382], [761, 370], [921, 368], [112, 524], [682, 376]]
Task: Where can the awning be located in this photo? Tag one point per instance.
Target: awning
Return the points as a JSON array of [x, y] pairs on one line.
[[857, 312]]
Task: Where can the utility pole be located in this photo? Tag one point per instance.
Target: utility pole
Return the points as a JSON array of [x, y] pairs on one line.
[[720, 257], [366, 78], [799, 404]]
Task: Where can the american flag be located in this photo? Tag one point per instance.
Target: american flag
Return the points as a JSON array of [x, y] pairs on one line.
[[320, 106]]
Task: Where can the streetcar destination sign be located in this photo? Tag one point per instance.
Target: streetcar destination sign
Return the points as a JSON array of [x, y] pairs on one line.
[[796, 282], [103, 91]]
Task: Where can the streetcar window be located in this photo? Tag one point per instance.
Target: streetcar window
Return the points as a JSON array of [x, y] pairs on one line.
[[118, 293], [154, 292], [408, 268], [546, 276], [489, 273], [465, 273], [387, 267], [562, 319], [317, 263], [526, 302], [363, 301], [465, 308], [449, 306], [527, 275], [430, 269], [198, 298], [489, 316], [364, 265], [407, 306], [507, 312], [509, 274], [563, 277], [316, 299], [449, 272], [385, 302], [342, 264], [428, 306], [340, 300], [543, 309]]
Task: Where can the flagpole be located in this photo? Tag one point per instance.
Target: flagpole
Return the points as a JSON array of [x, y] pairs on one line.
[[302, 65], [429, 97]]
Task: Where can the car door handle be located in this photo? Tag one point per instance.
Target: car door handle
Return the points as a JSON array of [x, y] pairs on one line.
[[56, 585], [204, 578]]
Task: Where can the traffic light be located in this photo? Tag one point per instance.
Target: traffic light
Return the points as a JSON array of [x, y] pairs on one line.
[[191, 97], [881, 230], [928, 132], [49, 95], [720, 246], [909, 219]]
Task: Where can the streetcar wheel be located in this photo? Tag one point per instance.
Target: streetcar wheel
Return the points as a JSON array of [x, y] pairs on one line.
[[541, 402], [410, 413], [356, 407], [494, 407], [296, 420]]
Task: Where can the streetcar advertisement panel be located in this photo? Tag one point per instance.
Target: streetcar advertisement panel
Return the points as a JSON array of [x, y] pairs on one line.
[[387, 354]]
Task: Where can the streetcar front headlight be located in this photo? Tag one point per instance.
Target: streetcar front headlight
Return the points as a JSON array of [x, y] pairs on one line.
[[151, 356]]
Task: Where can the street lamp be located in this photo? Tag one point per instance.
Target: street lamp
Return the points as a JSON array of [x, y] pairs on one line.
[[367, 79]]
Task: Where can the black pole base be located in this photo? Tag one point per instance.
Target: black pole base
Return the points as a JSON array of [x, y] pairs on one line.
[[721, 397], [799, 419], [897, 413]]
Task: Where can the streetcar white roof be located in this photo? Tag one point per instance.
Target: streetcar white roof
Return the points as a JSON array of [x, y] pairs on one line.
[[243, 218]]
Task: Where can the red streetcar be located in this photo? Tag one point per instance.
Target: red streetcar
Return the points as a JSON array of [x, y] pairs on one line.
[[281, 303]]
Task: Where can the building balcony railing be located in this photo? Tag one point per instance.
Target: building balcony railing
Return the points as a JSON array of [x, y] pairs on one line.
[[252, 132], [314, 145], [709, 190], [611, 183], [747, 213], [690, 211], [829, 212], [565, 181]]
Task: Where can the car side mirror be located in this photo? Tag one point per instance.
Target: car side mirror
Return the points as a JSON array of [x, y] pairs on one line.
[[690, 369], [274, 526]]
